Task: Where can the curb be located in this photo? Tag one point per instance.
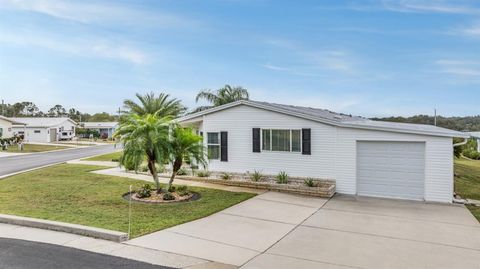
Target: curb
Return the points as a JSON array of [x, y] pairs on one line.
[[65, 227]]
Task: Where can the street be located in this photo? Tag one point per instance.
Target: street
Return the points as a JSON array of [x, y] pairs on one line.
[[19, 254], [18, 163]]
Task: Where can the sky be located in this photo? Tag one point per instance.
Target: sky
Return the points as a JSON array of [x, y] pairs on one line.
[[366, 57]]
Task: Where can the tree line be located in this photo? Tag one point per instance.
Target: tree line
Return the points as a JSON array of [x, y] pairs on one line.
[[469, 123], [221, 96], [29, 109]]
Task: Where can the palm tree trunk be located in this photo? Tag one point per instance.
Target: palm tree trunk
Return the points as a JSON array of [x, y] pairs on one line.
[[153, 171], [176, 166]]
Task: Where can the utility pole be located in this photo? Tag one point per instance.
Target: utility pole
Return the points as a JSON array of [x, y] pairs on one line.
[[435, 118]]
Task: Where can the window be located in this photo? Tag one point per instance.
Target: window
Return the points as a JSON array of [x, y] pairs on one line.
[[1, 132], [213, 145], [281, 140], [37, 131]]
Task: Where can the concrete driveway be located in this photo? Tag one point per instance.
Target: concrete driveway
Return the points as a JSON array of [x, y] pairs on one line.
[[275, 230]]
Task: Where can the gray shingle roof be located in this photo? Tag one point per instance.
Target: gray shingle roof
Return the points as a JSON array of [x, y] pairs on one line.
[[337, 119], [41, 122]]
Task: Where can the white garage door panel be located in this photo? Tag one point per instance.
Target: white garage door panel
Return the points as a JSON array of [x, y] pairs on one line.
[[391, 169]]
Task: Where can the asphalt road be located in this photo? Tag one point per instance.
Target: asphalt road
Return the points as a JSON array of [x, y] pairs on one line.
[[18, 163], [19, 254]]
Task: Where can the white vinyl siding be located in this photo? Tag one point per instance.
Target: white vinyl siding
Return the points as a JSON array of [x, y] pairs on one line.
[[6, 129], [333, 150]]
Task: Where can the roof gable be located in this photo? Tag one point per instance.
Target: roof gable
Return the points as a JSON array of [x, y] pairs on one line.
[[43, 121]]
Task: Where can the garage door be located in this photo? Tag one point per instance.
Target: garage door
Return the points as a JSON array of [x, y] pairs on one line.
[[391, 169]]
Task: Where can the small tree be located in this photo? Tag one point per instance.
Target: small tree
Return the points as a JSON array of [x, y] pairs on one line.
[[144, 137], [186, 146]]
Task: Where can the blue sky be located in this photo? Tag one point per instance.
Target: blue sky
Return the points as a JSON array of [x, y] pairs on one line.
[[369, 58]]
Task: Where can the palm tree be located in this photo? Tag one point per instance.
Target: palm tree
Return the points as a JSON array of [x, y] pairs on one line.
[[161, 105], [185, 146], [225, 95], [144, 136]]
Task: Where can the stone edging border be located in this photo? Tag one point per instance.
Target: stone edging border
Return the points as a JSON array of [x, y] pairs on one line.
[[65, 227], [325, 191]]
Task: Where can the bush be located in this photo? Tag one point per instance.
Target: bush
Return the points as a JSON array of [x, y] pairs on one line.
[[472, 154], [168, 196], [182, 172], [203, 173], [144, 168], [172, 188], [282, 178], [129, 165], [115, 160], [226, 176], [256, 176], [310, 182], [182, 190], [145, 191]]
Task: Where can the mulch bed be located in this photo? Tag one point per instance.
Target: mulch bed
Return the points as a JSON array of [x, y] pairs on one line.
[[157, 198]]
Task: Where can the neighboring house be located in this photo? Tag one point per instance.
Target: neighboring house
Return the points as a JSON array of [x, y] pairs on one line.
[[476, 135], [6, 127], [365, 157], [103, 128], [45, 130]]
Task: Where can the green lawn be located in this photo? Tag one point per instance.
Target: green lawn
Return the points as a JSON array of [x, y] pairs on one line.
[[69, 193], [106, 157], [27, 148], [467, 181]]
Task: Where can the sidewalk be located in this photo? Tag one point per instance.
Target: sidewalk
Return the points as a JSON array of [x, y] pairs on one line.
[[103, 247]]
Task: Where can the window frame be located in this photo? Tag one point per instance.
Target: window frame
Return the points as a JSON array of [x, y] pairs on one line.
[[271, 139], [214, 144]]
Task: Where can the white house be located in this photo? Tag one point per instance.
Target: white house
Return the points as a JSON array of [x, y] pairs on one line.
[[365, 157], [45, 130], [6, 127], [103, 128]]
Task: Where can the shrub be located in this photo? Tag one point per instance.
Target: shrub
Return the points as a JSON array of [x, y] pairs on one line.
[[115, 160], [472, 154], [256, 176], [203, 173], [226, 176], [129, 165], [310, 182], [282, 178], [144, 168], [182, 190], [168, 196], [145, 191], [172, 188], [182, 172]]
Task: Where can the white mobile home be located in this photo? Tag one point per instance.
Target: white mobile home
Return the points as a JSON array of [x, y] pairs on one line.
[[364, 157], [45, 130], [6, 127], [105, 129]]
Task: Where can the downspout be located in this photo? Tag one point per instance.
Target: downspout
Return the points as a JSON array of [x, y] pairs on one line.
[[461, 143]]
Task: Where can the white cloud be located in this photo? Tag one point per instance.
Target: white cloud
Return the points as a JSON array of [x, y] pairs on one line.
[[459, 67], [430, 6], [79, 46], [96, 12]]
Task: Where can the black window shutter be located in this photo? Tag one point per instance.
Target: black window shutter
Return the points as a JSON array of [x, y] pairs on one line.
[[256, 139], [224, 146], [306, 142]]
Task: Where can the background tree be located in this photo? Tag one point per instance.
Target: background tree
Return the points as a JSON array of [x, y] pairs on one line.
[[186, 146], [102, 117], [225, 95], [162, 105], [57, 111], [30, 109]]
